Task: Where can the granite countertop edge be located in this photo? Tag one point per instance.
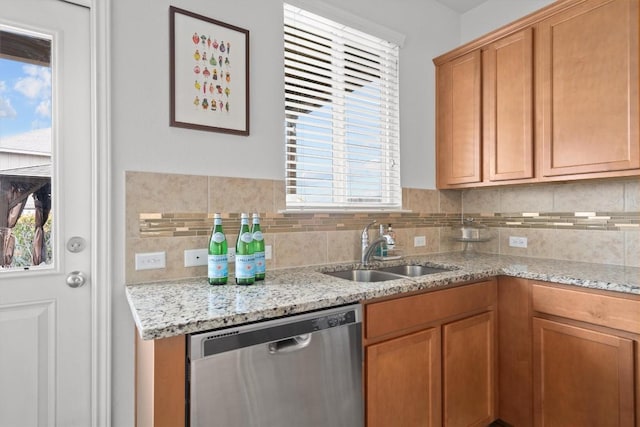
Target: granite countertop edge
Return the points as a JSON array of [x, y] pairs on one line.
[[176, 307]]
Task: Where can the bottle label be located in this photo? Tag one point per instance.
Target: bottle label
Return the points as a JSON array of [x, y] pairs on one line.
[[257, 235], [245, 266], [218, 266], [218, 237], [260, 262], [246, 237]]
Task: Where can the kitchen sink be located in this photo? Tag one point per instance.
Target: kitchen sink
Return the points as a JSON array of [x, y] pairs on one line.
[[364, 275], [381, 274], [413, 270]]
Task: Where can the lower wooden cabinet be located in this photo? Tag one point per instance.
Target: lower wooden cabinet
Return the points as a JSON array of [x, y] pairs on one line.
[[160, 382], [567, 356], [431, 358], [581, 377], [526, 352], [469, 371], [403, 381], [586, 364], [515, 388]]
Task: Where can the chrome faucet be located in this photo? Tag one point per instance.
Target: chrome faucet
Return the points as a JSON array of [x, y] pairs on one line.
[[367, 249]]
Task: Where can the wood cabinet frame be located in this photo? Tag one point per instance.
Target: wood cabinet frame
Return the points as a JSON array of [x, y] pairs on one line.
[[160, 382], [427, 333], [571, 129], [586, 129]]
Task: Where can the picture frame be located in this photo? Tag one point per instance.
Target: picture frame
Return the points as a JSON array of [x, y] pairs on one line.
[[209, 74]]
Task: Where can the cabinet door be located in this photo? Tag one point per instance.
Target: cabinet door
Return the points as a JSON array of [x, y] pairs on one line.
[[587, 82], [507, 94], [581, 377], [469, 371], [403, 381], [458, 153]]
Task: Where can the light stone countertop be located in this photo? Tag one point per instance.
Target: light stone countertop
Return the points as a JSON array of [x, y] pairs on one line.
[[166, 309]]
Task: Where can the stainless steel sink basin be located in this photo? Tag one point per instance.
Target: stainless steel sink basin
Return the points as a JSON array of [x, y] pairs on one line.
[[364, 275], [412, 270], [381, 274]]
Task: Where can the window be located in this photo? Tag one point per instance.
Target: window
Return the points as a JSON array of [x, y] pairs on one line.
[[25, 149], [341, 116]]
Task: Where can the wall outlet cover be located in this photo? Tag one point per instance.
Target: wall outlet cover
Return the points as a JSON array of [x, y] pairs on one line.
[[195, 257], [517, 242], [231, 255], [419, 241]]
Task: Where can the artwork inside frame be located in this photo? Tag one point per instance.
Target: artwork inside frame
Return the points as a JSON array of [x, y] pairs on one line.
[[209, 73]]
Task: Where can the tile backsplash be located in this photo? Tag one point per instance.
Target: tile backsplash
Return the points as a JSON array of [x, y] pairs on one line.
[[596, 222]]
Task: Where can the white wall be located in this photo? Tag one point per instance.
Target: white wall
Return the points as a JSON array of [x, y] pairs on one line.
[[141, 87], [143, 141], [493, 14]]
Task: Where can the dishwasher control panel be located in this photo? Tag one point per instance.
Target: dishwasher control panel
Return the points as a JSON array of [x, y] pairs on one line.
[[334, 320], [209, 343]]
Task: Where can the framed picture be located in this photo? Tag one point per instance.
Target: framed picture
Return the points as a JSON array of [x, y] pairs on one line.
[[209, 74]]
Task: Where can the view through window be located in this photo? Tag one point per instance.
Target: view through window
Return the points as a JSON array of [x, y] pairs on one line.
[[25, 149], [341, 109]]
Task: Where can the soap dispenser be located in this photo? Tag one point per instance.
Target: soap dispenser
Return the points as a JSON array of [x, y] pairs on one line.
[[381, 250], [391, 238]]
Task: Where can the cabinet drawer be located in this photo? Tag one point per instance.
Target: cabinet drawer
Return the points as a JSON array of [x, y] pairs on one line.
[[387, 317], [621, 313]]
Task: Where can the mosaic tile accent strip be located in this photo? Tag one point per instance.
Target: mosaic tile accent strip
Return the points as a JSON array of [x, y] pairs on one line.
[[199, 224]]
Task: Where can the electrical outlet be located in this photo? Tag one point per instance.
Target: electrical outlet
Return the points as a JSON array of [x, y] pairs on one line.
[[268, 252], [231, 255], [517, 242], [150, 260], [195, 257], [419, 241]]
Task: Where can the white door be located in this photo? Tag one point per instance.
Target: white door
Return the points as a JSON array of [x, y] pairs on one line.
[[45, 323]]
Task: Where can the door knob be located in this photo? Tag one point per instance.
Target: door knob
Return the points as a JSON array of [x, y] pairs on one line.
[[76, 279]]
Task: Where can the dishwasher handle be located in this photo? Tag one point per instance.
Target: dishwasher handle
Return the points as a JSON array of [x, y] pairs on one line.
[[289, 345]]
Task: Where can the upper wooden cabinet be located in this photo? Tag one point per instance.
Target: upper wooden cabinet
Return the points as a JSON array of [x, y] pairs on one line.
[[587, 82], [577, 118], [458, 153], [507, 88], [485, 114]]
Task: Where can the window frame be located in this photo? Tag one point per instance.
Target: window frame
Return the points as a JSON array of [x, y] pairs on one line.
[[387, 121]]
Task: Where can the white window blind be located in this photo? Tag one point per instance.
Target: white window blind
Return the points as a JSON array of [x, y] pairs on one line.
[[341, 109]]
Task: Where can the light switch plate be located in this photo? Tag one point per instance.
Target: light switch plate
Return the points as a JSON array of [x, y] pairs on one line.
[[268, 252], [150, 260], [195, 257], [419, 241]]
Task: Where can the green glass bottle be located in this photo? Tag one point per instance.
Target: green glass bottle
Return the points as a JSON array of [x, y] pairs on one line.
[[218, 266], [258, 247], [245, 261]]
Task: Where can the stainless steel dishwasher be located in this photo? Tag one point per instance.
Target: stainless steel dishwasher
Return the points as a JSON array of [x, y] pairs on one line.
[[303, 370]]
